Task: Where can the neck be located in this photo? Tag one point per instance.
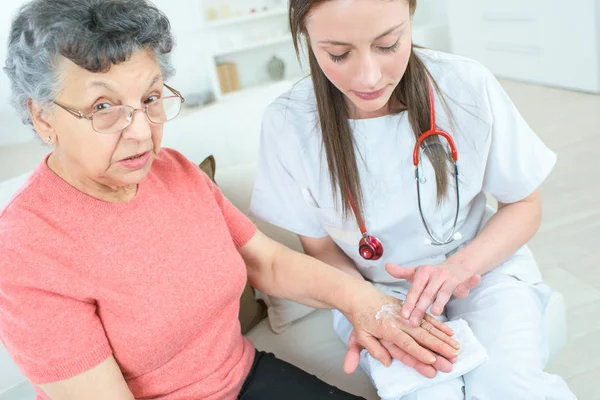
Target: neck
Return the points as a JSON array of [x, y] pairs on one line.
[[100, 191]]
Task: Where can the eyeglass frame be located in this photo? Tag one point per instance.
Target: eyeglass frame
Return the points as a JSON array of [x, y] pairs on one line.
[[79, 115]]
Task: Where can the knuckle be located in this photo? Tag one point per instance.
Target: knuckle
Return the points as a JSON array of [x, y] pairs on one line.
[[424, 335], [406, 344], [428, 327]]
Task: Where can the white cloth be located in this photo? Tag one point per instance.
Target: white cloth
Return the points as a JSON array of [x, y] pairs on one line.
[[398, 380]]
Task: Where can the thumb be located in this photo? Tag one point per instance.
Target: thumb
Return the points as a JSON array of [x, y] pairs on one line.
[[464, 288], [399, 272], [473, 281], [352, 358]]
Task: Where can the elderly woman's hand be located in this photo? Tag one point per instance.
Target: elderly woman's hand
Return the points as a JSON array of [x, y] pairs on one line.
[[379, 328]]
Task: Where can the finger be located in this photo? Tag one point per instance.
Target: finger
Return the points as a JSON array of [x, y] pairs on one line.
[[352, 358], [461, 292], [441, 364], [415, 291], [464, 288], [408, 344], [439, 325], [400, 272], [427, 371], [426, 299], [429, 327], [429, 341], [474, 281], [376, 350], [442, 298]]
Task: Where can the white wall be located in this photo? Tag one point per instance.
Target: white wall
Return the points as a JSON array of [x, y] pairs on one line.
[[11, 129], [186, 18], [431, 11], [548, 42]]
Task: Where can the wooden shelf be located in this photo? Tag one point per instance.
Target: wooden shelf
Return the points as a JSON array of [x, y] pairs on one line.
[[246, 18], [261, 32], [251, 46]]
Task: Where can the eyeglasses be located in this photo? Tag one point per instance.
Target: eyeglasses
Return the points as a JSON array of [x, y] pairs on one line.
[[116, 118]]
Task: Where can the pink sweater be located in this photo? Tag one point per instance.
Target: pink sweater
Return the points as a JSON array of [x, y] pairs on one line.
[[156, 282]]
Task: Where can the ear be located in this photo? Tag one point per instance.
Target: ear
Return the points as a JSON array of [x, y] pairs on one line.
[[41, 122]]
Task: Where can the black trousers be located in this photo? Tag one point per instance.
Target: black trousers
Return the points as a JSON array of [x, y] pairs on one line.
[[274, 379]]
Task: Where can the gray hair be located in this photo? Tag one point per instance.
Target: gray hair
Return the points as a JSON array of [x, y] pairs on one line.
[[93, 34]]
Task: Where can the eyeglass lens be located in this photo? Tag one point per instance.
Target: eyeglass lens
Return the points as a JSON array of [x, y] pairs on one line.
[[117, 118]]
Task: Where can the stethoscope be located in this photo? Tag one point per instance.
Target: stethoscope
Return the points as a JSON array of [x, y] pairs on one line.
[[370, 247]]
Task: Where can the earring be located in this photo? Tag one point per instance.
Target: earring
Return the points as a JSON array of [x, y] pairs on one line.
[[48, 139]]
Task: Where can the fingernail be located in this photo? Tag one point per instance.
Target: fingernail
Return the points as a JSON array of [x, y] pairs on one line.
[[431, 359], [456, 346], [415, 321]]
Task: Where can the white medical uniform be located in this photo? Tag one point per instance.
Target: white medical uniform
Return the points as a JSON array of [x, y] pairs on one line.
[[498, 153]]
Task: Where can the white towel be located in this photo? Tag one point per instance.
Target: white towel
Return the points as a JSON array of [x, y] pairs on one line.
[[398, 380]]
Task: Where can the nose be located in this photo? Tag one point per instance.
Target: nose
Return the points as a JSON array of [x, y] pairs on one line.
[[139, 129], [369, 73]]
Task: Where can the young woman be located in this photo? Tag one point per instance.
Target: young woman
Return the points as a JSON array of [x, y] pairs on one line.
[[354, 160]]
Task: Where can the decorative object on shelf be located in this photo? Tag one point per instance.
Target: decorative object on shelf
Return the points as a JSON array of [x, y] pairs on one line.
[[276, 68], [228, 77], [212, 14], [225, 11]]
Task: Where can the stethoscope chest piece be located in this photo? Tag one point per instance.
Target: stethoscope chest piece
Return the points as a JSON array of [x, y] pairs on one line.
[[370, 248]]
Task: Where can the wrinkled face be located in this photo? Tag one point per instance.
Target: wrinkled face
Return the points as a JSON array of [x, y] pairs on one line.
[[105, 158], [363, 47]]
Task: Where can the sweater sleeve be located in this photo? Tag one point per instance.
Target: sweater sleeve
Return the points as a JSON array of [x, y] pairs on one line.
[[50, 337], [241, 228]]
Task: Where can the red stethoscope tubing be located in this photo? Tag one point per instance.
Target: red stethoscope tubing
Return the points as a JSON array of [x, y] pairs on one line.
[[370, 247]]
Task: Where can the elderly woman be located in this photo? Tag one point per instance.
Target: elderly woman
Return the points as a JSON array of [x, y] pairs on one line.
[[121, 265]]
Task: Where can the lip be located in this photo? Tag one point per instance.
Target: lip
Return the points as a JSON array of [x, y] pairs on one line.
[[136, 163], [369, 95]]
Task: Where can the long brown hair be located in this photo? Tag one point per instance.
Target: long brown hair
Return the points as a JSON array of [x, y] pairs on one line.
[[412, 92]]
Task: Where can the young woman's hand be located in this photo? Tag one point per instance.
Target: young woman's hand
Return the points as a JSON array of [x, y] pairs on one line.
[[432, 286], [379, 328]]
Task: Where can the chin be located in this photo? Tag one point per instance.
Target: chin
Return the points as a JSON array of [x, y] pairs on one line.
[[135, 177], [371, 108]]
